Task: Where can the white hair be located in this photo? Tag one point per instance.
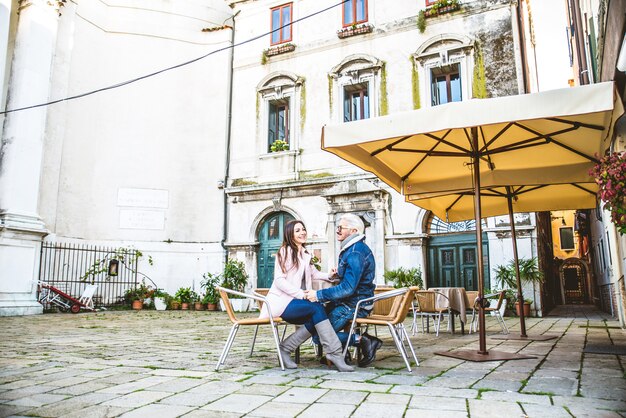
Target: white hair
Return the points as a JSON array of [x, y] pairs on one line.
[[353, 221]]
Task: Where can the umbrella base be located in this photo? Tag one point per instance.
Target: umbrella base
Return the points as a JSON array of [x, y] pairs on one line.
[[471, 355], [526, 338]]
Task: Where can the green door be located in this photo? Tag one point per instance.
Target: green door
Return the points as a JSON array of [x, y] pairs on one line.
[[452, 261], [270, 239]]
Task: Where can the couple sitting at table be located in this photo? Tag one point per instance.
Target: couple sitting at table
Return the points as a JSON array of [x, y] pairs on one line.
[[323, 313]]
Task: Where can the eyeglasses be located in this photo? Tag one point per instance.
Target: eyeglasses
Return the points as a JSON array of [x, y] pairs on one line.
[[339, 228]]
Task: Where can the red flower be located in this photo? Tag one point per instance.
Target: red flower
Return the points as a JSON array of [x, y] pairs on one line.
[[609, 175]]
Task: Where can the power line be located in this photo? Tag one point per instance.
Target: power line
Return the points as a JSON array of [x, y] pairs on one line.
[[127, 82]]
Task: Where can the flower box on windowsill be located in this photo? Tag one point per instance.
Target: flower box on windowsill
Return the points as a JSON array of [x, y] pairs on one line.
[[279, 49], [436, 11], [354, 30]]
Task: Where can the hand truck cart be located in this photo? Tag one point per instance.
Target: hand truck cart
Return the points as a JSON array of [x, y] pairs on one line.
[[49, 294]]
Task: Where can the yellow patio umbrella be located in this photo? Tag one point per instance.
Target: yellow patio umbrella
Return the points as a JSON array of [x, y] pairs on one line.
[[542, 138], [459, 206]]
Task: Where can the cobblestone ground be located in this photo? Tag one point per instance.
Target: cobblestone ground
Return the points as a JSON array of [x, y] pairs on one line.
[[161, 364]]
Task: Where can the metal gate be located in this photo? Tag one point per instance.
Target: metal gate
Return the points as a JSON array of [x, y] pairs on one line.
[[71, 267]]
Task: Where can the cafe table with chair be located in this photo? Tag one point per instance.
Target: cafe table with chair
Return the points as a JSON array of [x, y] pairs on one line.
[[455, 301]]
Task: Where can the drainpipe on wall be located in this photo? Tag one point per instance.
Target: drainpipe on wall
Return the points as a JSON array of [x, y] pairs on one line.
[[581, 55], [229, 107], [522, 46]]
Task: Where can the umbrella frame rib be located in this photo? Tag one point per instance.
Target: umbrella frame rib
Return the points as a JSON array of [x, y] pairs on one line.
[[484, 152]]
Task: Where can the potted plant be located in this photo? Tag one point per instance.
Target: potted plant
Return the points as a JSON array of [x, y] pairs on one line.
[[208, 301], [161, 299], [148, 295], [186, 296], [402, 277], [235, 277], [174, 304], [134, 297], [211, 295], [279, 145], [198, 303], [527, 303], [137, 295], [529, 273]]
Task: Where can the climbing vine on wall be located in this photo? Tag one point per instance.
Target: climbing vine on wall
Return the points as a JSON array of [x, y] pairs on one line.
[[479, 84], [384, 104], [302, 105], [330, 94], [415, 84]]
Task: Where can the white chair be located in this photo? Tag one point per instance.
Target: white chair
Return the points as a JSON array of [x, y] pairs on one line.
[[87, 297]]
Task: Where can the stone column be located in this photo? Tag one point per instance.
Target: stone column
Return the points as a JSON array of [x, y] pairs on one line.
[[379, 250], [5, 24], [330, 234], [21, 228]]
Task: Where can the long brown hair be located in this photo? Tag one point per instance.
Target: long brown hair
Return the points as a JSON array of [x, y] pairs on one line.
[[288, 242]]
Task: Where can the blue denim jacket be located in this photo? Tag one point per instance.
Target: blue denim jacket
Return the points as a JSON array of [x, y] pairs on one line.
[[357, 270]]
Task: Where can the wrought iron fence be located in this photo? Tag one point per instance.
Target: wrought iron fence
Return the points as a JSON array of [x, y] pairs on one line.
[[71, 267]]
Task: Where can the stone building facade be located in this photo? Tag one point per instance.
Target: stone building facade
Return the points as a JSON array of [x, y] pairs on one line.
[[347, 64]]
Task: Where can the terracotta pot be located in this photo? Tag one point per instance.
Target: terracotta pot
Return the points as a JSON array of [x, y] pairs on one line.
[[198, 306], [138, 304], [184, 306], [526, 309], [175, 306], [211, 307]]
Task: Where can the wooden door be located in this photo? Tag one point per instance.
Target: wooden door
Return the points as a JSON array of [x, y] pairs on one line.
[[452, 261]]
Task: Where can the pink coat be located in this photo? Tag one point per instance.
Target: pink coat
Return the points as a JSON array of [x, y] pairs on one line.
[[288, 285]]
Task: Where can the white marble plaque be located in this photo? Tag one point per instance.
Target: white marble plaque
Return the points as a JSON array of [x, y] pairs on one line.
[[143, 198], [142, 219]]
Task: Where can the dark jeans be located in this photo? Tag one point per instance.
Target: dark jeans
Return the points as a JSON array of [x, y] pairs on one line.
[[304, 312], [339, 316]]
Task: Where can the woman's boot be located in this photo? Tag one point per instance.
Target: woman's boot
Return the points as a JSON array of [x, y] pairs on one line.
[[291, 343], [332, 345]]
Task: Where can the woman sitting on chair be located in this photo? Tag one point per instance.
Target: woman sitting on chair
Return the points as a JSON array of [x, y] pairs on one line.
[[293, 274]]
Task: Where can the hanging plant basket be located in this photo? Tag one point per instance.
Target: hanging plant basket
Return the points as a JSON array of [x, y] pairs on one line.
[[280, 49], [354, 30], [610, 175], [441, 8]]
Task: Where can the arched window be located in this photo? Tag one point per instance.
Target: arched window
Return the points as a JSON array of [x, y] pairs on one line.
[[446, 63], [356, 81], [438, 226], [279, 98]]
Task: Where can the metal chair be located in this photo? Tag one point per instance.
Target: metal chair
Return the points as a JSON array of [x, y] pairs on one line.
[[426, 307], [263, 292], [493, 311], [394, 320], [383, 307], [471, 299], [272, 321]]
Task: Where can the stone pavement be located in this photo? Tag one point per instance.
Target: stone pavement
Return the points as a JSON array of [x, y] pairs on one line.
[[161, 364]]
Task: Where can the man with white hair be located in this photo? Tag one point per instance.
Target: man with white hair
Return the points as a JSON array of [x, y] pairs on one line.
[[356, 272]]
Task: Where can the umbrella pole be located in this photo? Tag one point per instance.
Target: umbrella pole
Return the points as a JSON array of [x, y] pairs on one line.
[[482, 346], [482, 354], [520, 296]]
